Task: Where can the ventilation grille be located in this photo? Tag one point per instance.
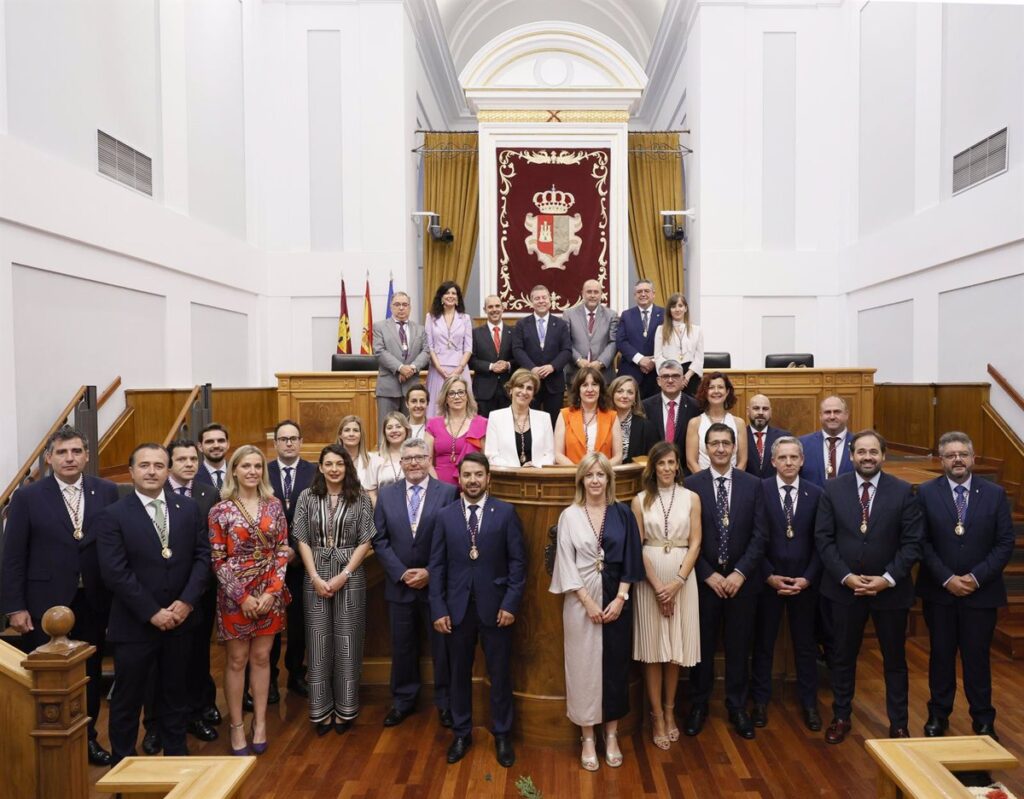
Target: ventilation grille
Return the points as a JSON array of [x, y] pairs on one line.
[[984, 160], [125, 165]]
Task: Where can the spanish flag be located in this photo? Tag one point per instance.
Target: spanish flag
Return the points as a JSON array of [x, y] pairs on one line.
[[366, 344], [344, 339]]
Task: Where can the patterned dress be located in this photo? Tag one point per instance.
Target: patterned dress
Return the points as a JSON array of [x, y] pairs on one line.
[[449, 345], [249, 559], [335, 627]]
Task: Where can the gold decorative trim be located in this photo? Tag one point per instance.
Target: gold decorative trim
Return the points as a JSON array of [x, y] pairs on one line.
[[553, 115]]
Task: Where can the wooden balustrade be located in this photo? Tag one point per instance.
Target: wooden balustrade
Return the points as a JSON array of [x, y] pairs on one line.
[[922, 768]]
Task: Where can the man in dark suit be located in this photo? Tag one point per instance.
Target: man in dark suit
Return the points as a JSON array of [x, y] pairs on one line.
[[155, 558], [635, 338], [792, 570], [541, 343], [827, 451], [491, 360], [49, 558], [214, 444], [478, 568], [592, 330], [868, 532], [405, 517], [202, 690], [761, 436], [660, 408], [729, 569], [289, 476], [968, 540]]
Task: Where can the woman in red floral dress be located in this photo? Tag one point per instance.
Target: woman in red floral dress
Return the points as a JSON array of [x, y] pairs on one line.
[[249, 542]]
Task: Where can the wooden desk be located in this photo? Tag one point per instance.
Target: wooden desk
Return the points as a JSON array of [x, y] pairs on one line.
[[178, 777], [921, 767]]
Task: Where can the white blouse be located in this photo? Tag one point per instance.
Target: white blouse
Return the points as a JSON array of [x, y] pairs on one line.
[[682, 347]]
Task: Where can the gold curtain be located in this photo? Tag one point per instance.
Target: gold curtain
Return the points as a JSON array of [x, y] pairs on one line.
[[655, 185], [450, 189]]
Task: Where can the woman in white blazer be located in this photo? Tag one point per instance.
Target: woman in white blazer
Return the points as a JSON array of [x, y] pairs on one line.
[[680, 340], [519, 435]]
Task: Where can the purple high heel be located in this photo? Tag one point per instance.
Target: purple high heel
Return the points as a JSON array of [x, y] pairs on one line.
[[257, 749], [245, 751]]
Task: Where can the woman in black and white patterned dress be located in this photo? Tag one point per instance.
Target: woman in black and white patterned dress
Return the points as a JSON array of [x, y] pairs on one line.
[[333, 527]]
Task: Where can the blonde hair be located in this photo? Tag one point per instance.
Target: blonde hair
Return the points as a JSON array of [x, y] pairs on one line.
[[446, 387], [586, 464], [521, 377], [667, 325], [230, 489], [399, 417], [361, 453]]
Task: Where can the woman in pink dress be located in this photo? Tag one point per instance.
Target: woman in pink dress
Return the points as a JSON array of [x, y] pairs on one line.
[[456, 432], [449, 339]]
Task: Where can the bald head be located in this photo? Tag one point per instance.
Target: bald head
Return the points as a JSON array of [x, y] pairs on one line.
[[591, 294], [759, 412], [493, 308]]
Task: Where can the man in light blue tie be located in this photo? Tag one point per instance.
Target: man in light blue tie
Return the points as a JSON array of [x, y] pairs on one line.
[[542, 343]]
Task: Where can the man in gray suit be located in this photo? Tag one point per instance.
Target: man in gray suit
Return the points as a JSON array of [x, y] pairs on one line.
[[592, 327], [401, 349]]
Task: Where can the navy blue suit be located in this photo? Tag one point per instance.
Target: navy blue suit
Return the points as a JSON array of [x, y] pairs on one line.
[[296, 652], [398, 550], [557, 351], [686, 409], [203, 474], [965, 623], [42, 565], [814, 457], [763, 468], [630, 340], [788, 557], [143, 582], [892, 544], [471, 592], [746, 545]]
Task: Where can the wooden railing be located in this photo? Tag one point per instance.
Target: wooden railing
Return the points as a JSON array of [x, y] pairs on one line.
[[183, 414], [1004, 384]]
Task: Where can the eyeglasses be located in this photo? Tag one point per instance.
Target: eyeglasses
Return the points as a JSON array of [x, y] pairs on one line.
[[458, 393], [413, 458], [670, 376], [956, 456], [289, 439]]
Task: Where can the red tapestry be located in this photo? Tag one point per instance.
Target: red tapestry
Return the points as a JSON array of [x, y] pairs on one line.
[[552, 224]]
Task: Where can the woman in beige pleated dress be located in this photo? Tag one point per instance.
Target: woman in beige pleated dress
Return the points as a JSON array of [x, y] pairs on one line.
[[666, 626]]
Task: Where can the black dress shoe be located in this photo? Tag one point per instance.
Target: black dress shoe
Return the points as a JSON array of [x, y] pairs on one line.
[[837, 731], [936, 726], [459, 747], [986, 729], [741, 721], [201, 730], [298, 686], [899, 732], [247, 706], [150, 743], [812, 719], [99, 756], [396, 717], [503, 748], [211, 715], [695, 720], [273, 694], [445, 717], [759, 715]]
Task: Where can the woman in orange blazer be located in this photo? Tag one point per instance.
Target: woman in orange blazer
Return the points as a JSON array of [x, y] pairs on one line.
[[589, 424]]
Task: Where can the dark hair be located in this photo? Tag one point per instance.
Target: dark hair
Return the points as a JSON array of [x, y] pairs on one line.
[[476, 457], [577, 382], [181, 443], [650, 476], [350, 486], [863, 434], [66, 433], [283, 422], [417, 387], [718, 427], [437, 307], [702, 391], [148, 445], [211, 427]]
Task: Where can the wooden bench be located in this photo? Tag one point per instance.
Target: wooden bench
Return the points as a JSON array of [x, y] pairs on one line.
[[178, 777], [921, 768]]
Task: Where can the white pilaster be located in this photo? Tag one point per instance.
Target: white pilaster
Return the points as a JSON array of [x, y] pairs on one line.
[[173, 104]]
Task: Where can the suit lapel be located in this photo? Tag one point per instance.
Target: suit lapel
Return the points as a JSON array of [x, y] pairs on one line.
[[142, 521], [947, 498]]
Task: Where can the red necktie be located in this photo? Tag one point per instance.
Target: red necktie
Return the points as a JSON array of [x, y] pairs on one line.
[[865, 505], [590, 322], [833, 442], [497, 339], [760, 446], [670, 425]]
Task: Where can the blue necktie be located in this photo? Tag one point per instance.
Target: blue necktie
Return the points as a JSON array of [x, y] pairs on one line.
[[474, 523], [961, 503], [542, 324], [721, 516], [414, 507]]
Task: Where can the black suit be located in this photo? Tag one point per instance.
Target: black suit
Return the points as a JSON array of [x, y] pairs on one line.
[[143, 582], [762, 467], [963, 623], [556, 352], [488, 387], [891, 545], [641, 438], [786, 556], [43, 565], [296, 652], [745, 550], [686, 409]]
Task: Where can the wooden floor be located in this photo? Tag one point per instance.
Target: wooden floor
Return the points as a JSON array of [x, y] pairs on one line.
[[784, 761]]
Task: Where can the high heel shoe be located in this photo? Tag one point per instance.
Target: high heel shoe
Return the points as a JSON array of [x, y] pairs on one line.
[[324, 727], [612, 760], [589, 763], [257, 748], [660, 741], [670, 719], [245, 751]]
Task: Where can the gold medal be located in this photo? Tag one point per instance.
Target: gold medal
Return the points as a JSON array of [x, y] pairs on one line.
[[725, 521], [828, 469], [474, 553], [863, 527], [789, 532], [668, 548], [78, 534], [959, 529], [166, 553]]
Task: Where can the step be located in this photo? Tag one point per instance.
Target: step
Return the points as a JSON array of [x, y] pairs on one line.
[[1009, 637]]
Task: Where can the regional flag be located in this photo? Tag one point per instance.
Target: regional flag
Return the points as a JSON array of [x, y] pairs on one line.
[[344, 339], [366, 344], [391, 296]]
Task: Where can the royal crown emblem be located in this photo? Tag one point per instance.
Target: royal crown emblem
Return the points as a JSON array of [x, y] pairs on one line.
[[552, 232]]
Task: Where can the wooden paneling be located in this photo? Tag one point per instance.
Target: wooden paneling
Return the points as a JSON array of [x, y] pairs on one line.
[[958, 407], [997, 440], [318, 401], [905, 413], [248, 413], [17, 719]]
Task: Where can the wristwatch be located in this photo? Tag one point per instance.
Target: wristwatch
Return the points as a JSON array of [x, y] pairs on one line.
[[346, 572], [624, 596]]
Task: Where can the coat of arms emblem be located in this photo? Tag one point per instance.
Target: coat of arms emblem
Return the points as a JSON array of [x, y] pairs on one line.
[[553, 232]]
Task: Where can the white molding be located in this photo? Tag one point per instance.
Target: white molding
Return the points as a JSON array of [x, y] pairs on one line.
[[666, 57], [432, 46], [3, 67]]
